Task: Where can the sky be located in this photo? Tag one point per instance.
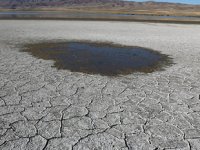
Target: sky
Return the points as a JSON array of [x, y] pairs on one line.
[[175, 1]]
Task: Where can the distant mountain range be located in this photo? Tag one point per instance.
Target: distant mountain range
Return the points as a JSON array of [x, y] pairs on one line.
[[50, 3], [69, 3], [113, 6]]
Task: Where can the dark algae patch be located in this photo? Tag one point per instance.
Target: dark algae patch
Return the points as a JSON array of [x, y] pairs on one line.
[[99, 58]]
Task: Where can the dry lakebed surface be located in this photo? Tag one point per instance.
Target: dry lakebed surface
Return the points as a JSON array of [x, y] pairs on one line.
[[46, 108]]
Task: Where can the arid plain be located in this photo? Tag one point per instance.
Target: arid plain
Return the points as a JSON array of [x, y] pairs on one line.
[[45, 108]]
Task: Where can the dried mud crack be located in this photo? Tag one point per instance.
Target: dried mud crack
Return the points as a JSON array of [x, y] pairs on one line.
[[44, 108]]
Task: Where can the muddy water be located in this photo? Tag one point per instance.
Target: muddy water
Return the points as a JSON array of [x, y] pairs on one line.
[[93, 16], [99, 58]]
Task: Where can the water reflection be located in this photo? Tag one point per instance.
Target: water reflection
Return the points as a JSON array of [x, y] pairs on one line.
[[99, 58], [82, 15]]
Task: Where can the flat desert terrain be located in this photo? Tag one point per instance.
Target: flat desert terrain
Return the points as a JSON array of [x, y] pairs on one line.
[[48, 109]]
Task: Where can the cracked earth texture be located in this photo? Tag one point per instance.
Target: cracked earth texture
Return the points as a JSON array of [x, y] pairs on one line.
[[42, 108]]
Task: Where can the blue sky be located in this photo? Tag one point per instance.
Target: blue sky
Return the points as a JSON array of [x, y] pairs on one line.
[[175, 1]]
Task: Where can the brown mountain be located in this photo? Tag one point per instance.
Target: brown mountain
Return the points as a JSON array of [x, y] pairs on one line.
[[50, 3], [105, 6]]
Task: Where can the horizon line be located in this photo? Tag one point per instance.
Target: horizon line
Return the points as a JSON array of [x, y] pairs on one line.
[[190, 2]]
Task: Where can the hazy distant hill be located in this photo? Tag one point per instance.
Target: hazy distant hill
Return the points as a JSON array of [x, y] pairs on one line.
[[110, 6], [56, 3], [50, 3]]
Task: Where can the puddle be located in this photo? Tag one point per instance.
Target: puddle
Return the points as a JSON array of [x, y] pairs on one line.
[[100, 58]]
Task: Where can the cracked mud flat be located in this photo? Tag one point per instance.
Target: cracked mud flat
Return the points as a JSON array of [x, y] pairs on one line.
[[43, 108]]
